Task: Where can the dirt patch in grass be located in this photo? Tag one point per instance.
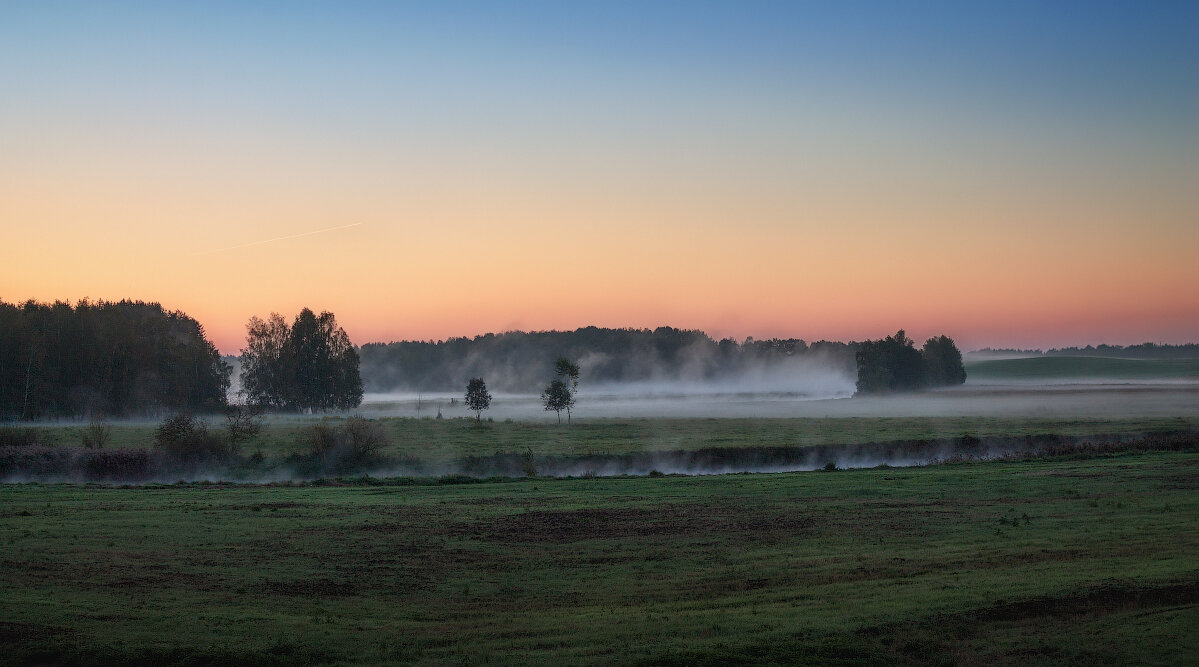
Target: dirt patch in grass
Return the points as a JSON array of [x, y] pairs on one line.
[[635, 522], [308, 588], [282, 505], [12, 633], [951, 638], [1102, 600]]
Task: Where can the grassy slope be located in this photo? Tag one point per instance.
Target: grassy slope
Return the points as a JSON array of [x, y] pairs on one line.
[[447, 439], [1044, 561], [1047, 368]]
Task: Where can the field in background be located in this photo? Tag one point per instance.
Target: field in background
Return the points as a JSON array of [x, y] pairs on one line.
[[1049, 561], [1053, 368]]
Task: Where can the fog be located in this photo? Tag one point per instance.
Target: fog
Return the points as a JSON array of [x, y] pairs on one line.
[[822, 391], [1094, 399], [712, 461]]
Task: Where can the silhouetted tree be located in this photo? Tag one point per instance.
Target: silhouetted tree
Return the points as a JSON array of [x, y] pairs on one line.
[[308, 365], [943, 362], [477, 398], [557, 397], [891, 364], [568, 372], [264, 368]]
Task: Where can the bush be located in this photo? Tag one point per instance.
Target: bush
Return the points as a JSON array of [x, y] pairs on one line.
[[529, 463], [95, 435], [185, 437], [16, 436], [116, 464], [242, 423], [33, 461], [355, 441]]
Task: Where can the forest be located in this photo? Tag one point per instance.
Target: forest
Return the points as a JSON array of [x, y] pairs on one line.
[[116, 359], [105, 359]]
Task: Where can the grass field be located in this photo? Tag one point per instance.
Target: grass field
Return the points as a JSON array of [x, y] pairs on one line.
[[1046, 561], [448, 439], [1074, 368]]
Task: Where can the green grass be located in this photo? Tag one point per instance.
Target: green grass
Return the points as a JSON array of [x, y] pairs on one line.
[[1043, 368], [448, 439], [1049, 561]]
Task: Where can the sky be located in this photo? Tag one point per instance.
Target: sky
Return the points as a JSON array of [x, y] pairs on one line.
[[1012, 174]]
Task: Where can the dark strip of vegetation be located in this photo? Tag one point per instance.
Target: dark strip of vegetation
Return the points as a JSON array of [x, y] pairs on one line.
[[1142, 351], [105, 358], [186, 449]]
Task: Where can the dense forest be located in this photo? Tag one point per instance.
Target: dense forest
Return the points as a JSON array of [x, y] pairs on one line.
[[521, 362], [105, 359]]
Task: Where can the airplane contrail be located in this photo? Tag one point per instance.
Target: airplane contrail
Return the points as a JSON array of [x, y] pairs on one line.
[[277, 238]]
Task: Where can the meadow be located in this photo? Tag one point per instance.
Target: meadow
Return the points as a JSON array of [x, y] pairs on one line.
[[443, 440], [1066, 368], [1059, 560]]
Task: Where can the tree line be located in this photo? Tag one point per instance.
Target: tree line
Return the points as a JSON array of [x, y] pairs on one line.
[[130, 357], [1141, 351], [518, 361], [102, 358]]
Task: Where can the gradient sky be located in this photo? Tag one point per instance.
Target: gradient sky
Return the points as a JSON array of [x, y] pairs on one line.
[[1010, 173]]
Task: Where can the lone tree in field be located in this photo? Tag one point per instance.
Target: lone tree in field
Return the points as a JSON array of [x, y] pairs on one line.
[[557, 397], [310, 365], [477, 398], [568, 372]]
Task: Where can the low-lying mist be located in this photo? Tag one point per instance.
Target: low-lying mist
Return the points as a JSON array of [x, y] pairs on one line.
[[50, 465], [826, 396]]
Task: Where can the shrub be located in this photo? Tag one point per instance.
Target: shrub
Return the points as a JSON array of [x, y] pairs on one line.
[[16, 436], [355, 441], [116, 464], [96, 434], [33, 460], [830, 466], [529, 463], [185, 437], [242, 422]]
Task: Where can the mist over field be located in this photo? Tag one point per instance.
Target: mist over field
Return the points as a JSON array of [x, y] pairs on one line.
[[1091, 400], [674, 360]]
